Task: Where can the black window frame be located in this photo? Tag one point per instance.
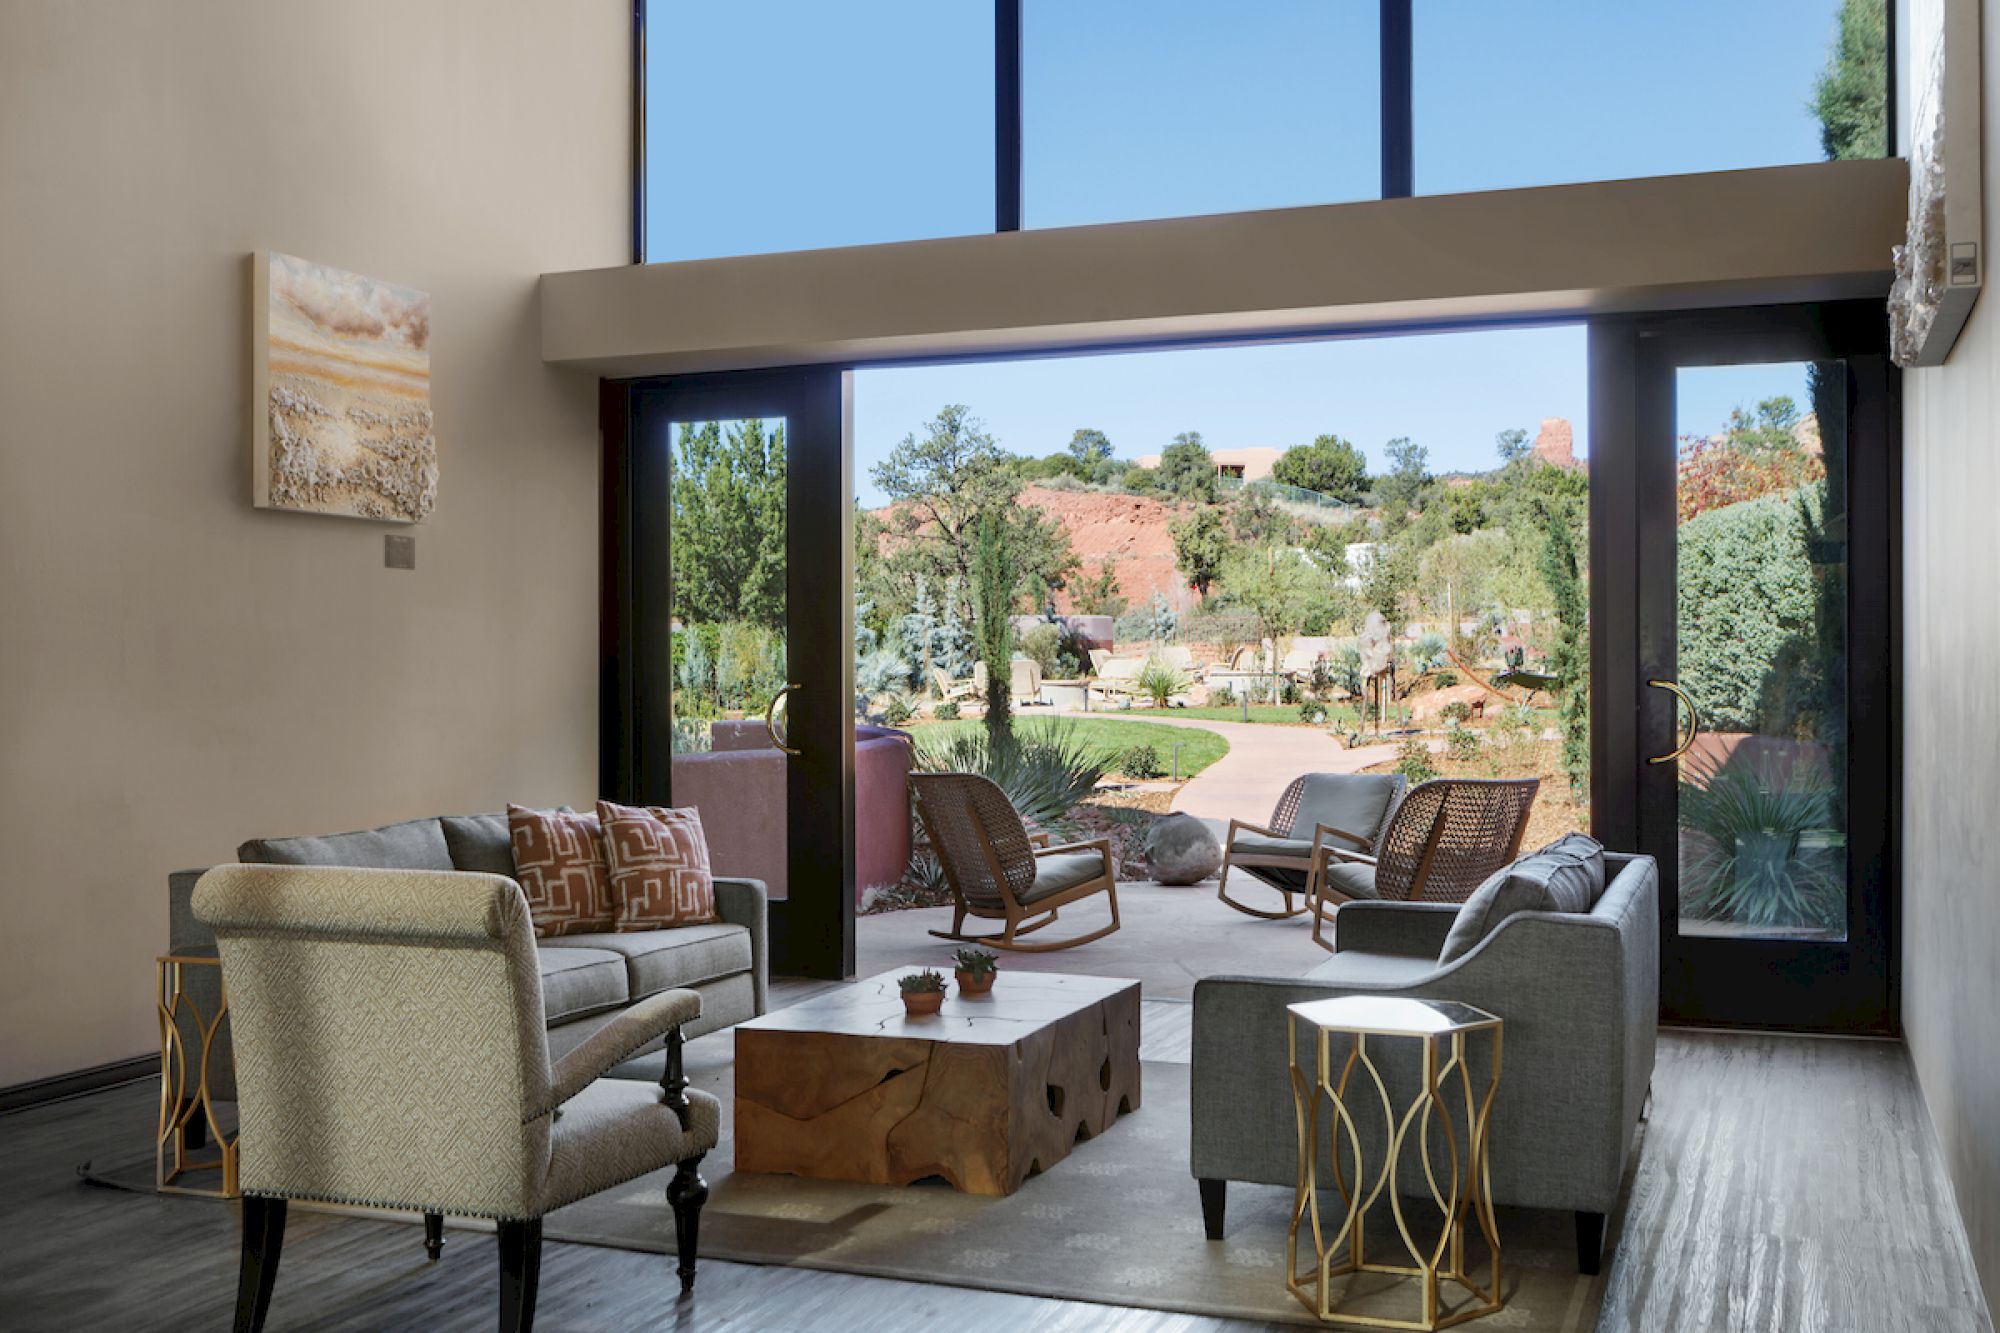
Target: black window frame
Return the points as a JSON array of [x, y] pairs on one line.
[[1397, 119]]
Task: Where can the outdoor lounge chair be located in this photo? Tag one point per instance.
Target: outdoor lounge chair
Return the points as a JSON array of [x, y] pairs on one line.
[[1315, 810], [1444, 839], [951, 691], [1302, 656], [995, 870], [1115, 677]]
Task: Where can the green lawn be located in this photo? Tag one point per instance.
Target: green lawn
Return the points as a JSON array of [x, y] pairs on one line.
[[1199, 748], [1231, 713]]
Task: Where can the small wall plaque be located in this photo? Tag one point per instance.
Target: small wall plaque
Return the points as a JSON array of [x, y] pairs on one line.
[[399, 552]]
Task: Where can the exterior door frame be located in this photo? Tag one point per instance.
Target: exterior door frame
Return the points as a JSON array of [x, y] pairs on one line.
[[1847, 987], [812, 928]]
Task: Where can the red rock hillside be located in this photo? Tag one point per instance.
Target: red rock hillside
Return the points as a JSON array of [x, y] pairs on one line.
[[1129, 530]]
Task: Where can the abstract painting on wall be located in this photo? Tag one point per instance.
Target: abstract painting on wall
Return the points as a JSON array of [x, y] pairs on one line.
[[341, 393]]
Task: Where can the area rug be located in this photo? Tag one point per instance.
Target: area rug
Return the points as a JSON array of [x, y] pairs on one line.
[[1117, 1222]]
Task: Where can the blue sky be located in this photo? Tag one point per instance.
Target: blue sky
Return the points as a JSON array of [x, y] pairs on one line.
[[793, 124]]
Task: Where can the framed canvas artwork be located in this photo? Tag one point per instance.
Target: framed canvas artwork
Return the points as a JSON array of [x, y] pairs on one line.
[[341, 393]]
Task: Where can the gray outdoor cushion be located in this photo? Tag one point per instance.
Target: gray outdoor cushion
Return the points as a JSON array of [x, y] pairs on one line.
[[1356, 967], [1356, 802], [416, 844], [1064, 870], [1565, 876], [1259, 845], [479, 843], [577, 981], [657, 960], [1351, 878]]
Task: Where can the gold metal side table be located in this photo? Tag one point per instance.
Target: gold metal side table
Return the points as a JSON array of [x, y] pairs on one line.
[[1320, 1082], [185, 1099]]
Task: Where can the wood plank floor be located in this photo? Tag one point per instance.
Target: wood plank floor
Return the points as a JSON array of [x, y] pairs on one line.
[[1786, 1184]]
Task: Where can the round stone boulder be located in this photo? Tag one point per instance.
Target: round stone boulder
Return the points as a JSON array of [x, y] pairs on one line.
[[1181, 849]]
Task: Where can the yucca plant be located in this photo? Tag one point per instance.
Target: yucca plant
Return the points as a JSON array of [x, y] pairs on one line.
[[1742, 852], [1045, 771], [1160, 680]]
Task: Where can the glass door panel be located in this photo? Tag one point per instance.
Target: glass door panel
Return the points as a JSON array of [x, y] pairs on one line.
[[730, 643], [728, 679], [1754, 760], [1761, 625]]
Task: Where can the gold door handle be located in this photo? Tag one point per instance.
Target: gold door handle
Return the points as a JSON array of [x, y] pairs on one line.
[[1694, 722], [771, 720]]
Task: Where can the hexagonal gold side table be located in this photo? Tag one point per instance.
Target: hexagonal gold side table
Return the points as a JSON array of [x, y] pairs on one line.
[[186, 1102], [1321, 1082]]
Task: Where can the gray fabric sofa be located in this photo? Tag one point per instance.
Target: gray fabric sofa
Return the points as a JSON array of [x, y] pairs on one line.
[[1580, 996], [587, 980]]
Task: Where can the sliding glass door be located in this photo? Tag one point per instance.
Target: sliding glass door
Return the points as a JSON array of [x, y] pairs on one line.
[[728, 597], [1753, 658]]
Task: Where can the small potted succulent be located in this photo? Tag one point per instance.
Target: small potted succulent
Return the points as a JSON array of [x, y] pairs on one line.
[[976, 970], [923, 992]]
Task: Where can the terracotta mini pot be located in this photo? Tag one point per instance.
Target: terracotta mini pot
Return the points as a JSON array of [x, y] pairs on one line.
[[968, 984], [918, 1003]]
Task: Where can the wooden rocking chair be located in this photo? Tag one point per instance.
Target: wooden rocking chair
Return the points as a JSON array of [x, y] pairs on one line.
[[996, 871], [1445, 838], [1317, 809]]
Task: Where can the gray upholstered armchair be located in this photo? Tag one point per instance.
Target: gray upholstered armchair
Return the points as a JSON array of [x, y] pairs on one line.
[[390, 1052], [1580, 996]]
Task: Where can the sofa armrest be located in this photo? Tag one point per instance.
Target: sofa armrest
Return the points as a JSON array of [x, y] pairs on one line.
[[183, 930], [741, 902], [1409, 930], [615, 1043]]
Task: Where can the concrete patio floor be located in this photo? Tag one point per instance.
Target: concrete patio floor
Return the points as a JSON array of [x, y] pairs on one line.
[[1169, 939]]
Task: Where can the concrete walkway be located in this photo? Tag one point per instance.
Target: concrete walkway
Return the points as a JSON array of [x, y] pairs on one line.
[[1263, 759]]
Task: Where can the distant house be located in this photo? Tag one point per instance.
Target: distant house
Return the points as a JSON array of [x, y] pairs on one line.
[[1242, 464]]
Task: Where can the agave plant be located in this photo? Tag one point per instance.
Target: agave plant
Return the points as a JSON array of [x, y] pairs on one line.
[[1160, 680], [1743, 854], [1045, 771]]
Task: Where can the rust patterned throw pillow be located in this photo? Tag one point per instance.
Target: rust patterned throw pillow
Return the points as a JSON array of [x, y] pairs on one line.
[[559, 864], [659, 866]]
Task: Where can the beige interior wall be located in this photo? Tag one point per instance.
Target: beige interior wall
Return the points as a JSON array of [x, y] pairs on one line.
[[1951, 738], [178, 671]]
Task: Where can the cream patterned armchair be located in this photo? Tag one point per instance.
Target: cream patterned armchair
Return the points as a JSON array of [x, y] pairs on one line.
[[390, 1052]]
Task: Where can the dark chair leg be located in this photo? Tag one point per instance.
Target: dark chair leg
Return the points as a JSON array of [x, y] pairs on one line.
[[687, 1192], [520, 1274], [1214, 1198], [434, 1235], [1589, 1243], [263, 1240]]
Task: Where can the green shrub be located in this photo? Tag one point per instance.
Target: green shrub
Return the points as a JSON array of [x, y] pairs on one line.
[[1312, 710], [1457, 712], [1746, 606], [898, 708], [1413, 761], [1043, 645], [946, 712], [1461, 743], [1141, 761], [1222, 697]]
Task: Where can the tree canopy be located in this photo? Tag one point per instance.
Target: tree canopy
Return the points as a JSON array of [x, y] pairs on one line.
[[1852, 95], [728, 509], [1201, 540], [1186, 468], [1089, 448], [1329, 465]]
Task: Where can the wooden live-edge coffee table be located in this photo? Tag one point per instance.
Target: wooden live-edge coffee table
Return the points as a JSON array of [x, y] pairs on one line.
[[984, 1094]]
